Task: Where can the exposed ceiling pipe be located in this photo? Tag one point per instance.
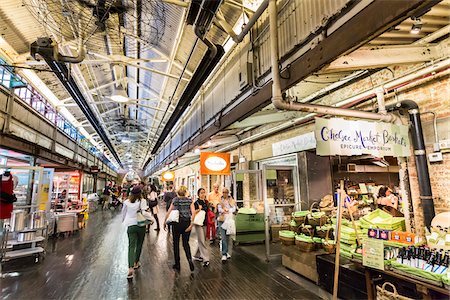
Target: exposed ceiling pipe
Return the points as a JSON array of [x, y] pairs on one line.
[[212, 57], [237, 38], [420, 155], [277, 97], [69, 83]]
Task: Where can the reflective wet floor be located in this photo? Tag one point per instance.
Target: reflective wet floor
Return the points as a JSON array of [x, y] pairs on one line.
[[92, 264]]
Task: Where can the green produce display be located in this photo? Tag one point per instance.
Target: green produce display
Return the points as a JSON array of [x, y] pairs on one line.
[[287, 234], [304, 238], [416, 271]]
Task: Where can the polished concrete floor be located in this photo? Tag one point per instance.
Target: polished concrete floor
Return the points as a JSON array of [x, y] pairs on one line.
[[92, 264]]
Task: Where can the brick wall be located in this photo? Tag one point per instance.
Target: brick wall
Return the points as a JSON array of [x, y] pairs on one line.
[[431, 96]]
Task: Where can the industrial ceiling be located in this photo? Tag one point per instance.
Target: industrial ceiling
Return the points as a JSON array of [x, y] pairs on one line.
[[145, 48]]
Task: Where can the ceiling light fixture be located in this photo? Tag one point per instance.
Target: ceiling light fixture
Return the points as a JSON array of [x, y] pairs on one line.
[[119, 95], [416, 26], [381, 162]]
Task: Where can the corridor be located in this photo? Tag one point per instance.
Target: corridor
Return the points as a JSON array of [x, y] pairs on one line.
[[91, 264]]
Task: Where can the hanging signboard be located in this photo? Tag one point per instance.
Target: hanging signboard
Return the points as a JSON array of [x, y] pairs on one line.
[[296, 144], [168, 176], [214, 163], [342, 137]]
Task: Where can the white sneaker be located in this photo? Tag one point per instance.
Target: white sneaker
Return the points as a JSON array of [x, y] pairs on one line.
[[228, 256], [224, 258]]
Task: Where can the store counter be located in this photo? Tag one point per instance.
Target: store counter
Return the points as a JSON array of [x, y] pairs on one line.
[[352, 281], [303, 263]]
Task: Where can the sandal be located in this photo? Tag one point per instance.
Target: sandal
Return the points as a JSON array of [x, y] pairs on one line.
[[130, 274], [137, 265]]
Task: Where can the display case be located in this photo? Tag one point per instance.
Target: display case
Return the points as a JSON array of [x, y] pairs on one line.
[[280, 193], [247, 190], [31, 186], [66, 191]]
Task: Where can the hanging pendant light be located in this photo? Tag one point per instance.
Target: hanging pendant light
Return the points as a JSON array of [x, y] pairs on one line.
[[119, 95]]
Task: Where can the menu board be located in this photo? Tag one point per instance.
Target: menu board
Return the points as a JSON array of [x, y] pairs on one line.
[[373, 253]]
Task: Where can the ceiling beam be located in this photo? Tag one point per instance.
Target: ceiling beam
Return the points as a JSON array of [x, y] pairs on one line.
[[371, 58], [155, 71], [156, 50], [269, 116]]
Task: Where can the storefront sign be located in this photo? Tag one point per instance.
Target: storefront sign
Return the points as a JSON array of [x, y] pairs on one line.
[[214, 163], [373, 253], [168, 176], [341, 137], [296, 144], [95, 169]]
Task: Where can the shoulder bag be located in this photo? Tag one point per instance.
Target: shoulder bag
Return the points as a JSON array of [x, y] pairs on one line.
[[143, 217], [199, 218], [174, 216], [152, 202]]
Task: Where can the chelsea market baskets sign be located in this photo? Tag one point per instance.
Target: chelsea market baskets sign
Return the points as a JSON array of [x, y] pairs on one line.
[[342, 137]]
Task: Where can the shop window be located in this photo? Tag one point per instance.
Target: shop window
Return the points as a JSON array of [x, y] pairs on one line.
[[6, 78]]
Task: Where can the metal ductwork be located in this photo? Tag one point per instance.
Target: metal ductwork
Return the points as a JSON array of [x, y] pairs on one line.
[[423, 175], [194, 8], [205, 16], [47, 51], [46, 48], [212, 57]]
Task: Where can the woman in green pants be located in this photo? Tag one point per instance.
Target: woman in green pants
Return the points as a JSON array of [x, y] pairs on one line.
[[136, 233]]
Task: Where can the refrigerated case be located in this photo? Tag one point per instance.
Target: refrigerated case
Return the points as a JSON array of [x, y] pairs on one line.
[[66, 191]]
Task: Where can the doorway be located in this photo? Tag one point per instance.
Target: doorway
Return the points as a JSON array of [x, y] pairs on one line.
[[281, 199]]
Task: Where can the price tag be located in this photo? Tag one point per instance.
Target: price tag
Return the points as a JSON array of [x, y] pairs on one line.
[[373, 253]]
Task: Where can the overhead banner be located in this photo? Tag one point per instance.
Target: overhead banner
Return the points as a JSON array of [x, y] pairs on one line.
[[214, 163], [168, 176], [342, 137], [296, 144]]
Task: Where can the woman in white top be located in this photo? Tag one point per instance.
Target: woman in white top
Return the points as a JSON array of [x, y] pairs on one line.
[[136, 233]]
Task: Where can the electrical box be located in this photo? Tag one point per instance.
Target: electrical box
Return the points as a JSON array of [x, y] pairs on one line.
[[435, 157], [444, 145], [245, 70]]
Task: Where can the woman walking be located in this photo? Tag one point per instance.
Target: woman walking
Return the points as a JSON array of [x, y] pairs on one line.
[[226, 209], [185, 206], [136, 234], [153, 203], [202, 253]]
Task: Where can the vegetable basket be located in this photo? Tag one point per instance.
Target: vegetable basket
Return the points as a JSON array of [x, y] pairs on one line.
[[329, 245], [316, 217], [287, 237]]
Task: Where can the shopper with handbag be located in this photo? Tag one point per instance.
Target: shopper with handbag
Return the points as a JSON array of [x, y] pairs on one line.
[[133, 210], [200, 222], [226, 209], [153, 204], [186, 211]]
